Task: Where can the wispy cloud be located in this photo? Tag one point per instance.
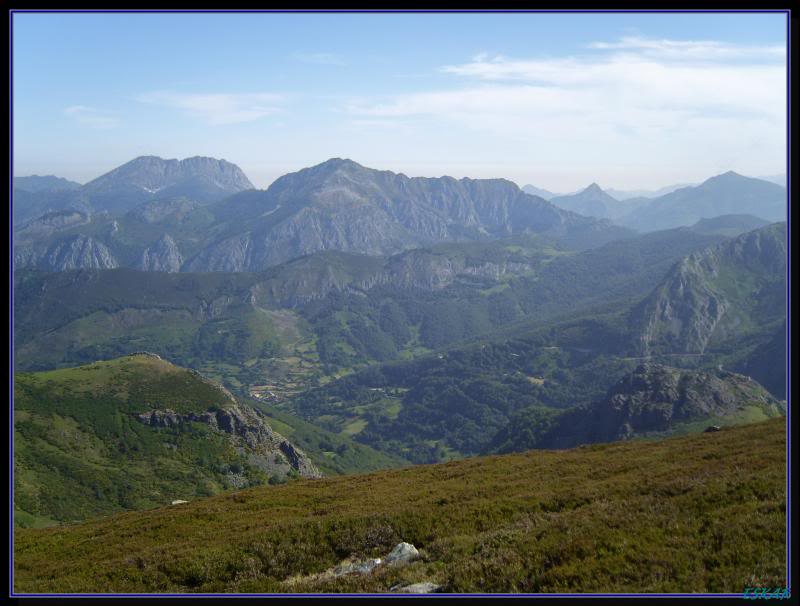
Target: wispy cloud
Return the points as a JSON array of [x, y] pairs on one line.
[[91, 116], [218, 108], [635, 92], [321, 59], [709, 50]]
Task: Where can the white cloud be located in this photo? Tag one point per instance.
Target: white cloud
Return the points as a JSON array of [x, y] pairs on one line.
[[320, 59], [91, 116], [642, 99], [218, 108]]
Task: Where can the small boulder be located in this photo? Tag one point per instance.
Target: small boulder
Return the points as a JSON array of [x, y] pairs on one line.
[[402, 554], [711, 428], [416, 588], [179, 501]]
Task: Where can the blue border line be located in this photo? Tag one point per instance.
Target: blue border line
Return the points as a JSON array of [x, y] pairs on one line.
[[787, 12]]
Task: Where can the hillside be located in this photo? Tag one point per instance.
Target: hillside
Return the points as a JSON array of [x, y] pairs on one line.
[[134, 433], [702, 513]]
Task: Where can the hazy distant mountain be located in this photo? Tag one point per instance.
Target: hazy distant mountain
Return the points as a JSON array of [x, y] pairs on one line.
[[538, 191], [147, 177], [728, 225], [726, 194], [777, 179], [590, 202], [202, 180], [37, 183], [620, 194]]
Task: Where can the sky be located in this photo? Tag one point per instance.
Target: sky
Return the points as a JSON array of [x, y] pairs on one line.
[[630, 101]]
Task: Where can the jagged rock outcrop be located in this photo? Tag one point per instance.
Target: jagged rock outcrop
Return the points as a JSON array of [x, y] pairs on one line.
[[163, 255], [74, 252], [246, 428], [653, 398], [50, 223], [159, 211]]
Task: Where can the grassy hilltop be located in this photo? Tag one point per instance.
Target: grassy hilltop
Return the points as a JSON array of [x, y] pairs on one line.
[[699, 513]]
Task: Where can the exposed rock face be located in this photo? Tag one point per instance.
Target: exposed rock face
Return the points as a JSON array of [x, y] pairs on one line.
[[50, 223], [159, 211], [683, 312], [163, 255], [710, 294], [652, 399], [75, 252], [246, 427]]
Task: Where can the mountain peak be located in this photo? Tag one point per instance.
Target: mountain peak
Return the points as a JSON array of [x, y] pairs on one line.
[[594, 188], [726, 176], [337, 163]]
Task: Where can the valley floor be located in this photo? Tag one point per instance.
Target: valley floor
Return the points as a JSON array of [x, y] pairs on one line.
[[698, 513]]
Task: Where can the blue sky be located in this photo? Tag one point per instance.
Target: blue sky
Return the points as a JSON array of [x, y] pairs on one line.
[[557, 100]]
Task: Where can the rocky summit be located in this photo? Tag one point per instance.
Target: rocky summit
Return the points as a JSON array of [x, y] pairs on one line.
[[656, 398]]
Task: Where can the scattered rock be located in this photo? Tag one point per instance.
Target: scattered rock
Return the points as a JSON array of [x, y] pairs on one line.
[[416, 588], [359, 567], [402, 554], [178, 501]]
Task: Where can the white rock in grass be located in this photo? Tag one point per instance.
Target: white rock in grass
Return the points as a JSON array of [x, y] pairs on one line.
[[416, 588], [402, 554]]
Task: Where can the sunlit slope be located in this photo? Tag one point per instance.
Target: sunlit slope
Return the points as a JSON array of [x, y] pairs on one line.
[[699, 513]]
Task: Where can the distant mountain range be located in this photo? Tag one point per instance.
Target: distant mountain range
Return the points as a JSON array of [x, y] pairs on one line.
[[617, 194], [337, 205], [726, 194], [594, 202]]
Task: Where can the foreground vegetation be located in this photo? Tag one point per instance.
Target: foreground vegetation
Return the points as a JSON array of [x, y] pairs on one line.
[[699, 513]]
